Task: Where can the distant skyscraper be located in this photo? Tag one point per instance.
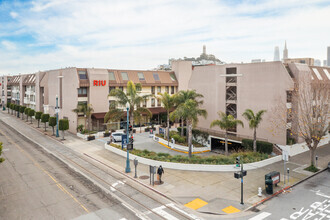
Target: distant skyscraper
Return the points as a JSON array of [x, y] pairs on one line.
[[285, 52], [328, 59], [324, 62], [204, 49], [277, 54], [317, 62]]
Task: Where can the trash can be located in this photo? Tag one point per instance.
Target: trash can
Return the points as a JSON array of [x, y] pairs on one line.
[[271, 179], [269, 186]]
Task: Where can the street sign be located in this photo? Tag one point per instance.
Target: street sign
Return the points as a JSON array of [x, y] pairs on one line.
[[129, 146], [123, 141], [285, 155]]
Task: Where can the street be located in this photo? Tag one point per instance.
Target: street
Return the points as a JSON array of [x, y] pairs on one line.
[[35, 185], [308, 200]]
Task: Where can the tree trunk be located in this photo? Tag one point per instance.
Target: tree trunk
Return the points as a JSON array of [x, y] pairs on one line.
[[53, 130], [189, 127], [63, 135], [187, 133], [312, 155], [31, 119], [85, 123], [27, 118], [45, 126], [22, 116], [89, 123], [38, 123], [181, 127], [255, 140], [226, 144], [168, 128]]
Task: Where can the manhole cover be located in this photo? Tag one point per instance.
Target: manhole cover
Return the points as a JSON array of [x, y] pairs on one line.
[[144, 177]]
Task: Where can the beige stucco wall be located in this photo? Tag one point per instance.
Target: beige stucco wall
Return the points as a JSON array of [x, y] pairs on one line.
[[98, 95], [259, 86], [183, 71]]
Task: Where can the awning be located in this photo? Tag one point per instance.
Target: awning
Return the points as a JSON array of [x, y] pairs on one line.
[[98, 115], [157, 110], [154, 111]]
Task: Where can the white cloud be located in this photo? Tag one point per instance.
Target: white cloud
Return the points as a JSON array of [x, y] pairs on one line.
[[8, 45], [142, 34], [13, 14]]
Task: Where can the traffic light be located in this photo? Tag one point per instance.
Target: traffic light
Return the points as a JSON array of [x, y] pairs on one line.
[[130, 128], [130, 140], [237, 161]]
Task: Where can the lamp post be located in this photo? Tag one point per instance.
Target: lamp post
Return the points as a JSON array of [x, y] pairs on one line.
[[56, 111], [127, 169], [57, 108]]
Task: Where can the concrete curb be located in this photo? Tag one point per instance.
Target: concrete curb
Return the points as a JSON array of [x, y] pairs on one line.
[[280, 191], [195, 167]]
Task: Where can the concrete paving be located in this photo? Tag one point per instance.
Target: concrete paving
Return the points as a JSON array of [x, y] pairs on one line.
[[220, 190]]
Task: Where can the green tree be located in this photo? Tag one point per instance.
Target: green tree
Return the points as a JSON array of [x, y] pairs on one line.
[[52, 123], [132, 97], [87, 110], [31, 114], [190, 110], [38, 117], [182, 97], [254, 121], [26, 112], [21, 110], [1, 159], [63, 125], [45, 119], [113, 115], [168, 102], [226, 123], [8, 106], [17, 109]]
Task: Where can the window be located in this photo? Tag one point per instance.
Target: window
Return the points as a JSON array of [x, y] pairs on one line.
[[82, 91], [152, 102], [172, 75], [172, 89], [82, 74], [156, 77], [232, 70], [167, 89], [159, 102], [141, 77], [145, 103], [111, 88], [153, 90], [159, 89], [121, 88], [124, 76], [138, 88], [111, 76]]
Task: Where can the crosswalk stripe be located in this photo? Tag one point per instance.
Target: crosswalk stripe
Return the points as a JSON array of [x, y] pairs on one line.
[[261, 216]]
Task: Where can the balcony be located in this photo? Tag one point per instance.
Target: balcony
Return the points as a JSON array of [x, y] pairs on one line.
[[26, 100]]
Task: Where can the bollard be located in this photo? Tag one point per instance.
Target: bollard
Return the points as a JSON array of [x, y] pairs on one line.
[[288, 170], [259, 192]]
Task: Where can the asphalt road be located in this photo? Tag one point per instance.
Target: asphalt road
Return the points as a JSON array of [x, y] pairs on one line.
[[35, 185], [308, 200]]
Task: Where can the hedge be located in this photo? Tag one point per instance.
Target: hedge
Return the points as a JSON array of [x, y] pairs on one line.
[[262, 146]]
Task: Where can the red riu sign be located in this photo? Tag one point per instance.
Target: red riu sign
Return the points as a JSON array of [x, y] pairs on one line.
[[99, 83]]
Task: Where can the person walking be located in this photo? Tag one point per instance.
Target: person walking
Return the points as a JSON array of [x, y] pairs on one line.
[[160, 172]]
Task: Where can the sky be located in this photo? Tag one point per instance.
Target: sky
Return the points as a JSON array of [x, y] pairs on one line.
[[142, 34]]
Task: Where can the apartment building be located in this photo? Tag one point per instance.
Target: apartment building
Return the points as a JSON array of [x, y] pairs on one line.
[[233, 88], [81, 86]]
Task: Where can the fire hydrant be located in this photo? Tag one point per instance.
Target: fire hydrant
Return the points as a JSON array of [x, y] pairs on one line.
[[259, 192]]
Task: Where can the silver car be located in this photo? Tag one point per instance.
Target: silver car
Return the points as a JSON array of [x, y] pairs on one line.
[[117, 136]]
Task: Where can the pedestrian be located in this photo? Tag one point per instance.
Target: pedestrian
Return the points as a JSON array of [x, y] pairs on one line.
[[160, 172]]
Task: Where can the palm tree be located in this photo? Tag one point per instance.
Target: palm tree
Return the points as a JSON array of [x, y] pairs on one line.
[[168, 103], [226, 123], [114, 114], [132, 97], [182, 97], [254, 121], [189, 110], [87, 110], [138, 115]]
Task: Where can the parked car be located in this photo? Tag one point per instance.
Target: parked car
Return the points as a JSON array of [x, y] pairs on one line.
[[117, 136]]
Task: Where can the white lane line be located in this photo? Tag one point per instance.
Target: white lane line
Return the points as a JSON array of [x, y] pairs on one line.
[[6, 149], [183, 212], [161, 212], [261, 216], [123, 219], [140, 216], [118, 182], [112, 189]]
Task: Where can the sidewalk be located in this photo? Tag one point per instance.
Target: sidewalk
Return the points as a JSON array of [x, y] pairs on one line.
[[216, 191]]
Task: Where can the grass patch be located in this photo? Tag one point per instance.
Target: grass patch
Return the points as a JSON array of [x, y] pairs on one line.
[[246, 157], [312, 168], [179, 140]]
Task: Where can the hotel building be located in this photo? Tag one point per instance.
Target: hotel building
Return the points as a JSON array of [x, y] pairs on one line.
[[230, 88]]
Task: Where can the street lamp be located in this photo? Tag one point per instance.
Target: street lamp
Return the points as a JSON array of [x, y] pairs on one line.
[[56, 108], [127, 169]]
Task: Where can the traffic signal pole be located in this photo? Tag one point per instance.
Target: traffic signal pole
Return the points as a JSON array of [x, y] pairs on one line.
[[242, 203]]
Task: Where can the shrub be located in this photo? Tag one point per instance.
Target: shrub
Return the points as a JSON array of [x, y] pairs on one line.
[[262, 146], [182, 140], [31, 113], [45, 119], [80, 128], [38, 116], [176, 137], [63, 125], [52, 122], [184, 131]]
